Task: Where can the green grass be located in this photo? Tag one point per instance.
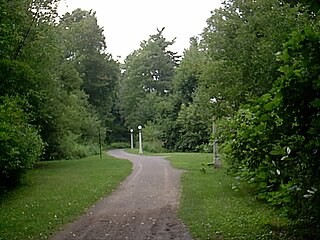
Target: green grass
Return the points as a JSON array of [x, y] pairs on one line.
[[212, 209], [57, 192], [133, 151]]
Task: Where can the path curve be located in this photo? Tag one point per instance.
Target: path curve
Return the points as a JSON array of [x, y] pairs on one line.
[[143, 207]]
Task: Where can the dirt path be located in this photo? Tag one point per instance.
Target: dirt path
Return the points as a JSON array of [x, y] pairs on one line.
[[143, 207]]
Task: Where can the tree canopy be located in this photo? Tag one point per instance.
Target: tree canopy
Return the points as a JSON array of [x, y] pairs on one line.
[[147, 79], [57, 85]]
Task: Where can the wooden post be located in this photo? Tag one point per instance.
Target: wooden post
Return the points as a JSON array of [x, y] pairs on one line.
[[100, 147], [214, 139], [216, 158]]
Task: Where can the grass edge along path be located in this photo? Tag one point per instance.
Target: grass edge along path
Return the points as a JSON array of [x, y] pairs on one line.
[[56, 193], [214, 207]]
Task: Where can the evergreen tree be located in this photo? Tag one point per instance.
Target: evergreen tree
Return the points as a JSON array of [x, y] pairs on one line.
[[147, 79]]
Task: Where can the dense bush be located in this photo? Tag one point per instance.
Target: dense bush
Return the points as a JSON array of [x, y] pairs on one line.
[[275, 140], [120, 145], [20, 143], [151, 136]]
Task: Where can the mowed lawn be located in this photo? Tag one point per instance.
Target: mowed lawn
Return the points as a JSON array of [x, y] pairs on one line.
[[57, 192], [214, 206]]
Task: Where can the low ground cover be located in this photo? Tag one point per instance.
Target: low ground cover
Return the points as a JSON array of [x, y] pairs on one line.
[[215, 206], [57, 192]]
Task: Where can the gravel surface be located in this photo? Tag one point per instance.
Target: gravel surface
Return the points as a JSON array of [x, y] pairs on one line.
[[143, 207]]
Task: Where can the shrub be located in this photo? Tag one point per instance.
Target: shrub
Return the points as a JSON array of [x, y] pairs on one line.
[[151, 137], [154, 147], [20, 143], [120, 145]]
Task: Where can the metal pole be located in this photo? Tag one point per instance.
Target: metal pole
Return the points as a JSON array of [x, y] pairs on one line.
[[140, 139], [131, 131]]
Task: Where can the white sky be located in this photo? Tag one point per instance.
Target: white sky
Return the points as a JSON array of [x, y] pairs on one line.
[[128, 22]]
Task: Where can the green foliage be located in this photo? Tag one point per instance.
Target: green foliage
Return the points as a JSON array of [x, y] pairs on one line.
[[147, 78], [233, 63], [175, 128], [17, 78], [62, 71], [243, 37], [276, 142], [187, 75], [194, 128], [18, 20], [151, 138], [20, 143], [73, 129], [85, 51], [117, 145]]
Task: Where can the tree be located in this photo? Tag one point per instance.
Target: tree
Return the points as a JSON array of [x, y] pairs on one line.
[[35, 66], [148, 72], [85, 48], [245, 36], [186, 78], [29, 39], [238, 63]]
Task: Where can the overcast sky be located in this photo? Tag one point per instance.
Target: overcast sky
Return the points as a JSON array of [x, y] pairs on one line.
[[127, 22]]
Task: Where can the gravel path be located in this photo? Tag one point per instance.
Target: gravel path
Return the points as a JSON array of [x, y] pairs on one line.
[[143, 207]]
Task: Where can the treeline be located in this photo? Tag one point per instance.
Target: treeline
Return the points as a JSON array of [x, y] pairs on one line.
[[57, 85], [256, 69]]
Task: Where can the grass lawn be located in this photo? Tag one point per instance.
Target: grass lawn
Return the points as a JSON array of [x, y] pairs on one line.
[[57, 192], [213, 210]]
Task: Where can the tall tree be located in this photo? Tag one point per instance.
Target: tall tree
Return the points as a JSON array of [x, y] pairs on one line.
[[148, 72], [21, 144], [34, 68], [86, 49], [239, 48], [187, 75]]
